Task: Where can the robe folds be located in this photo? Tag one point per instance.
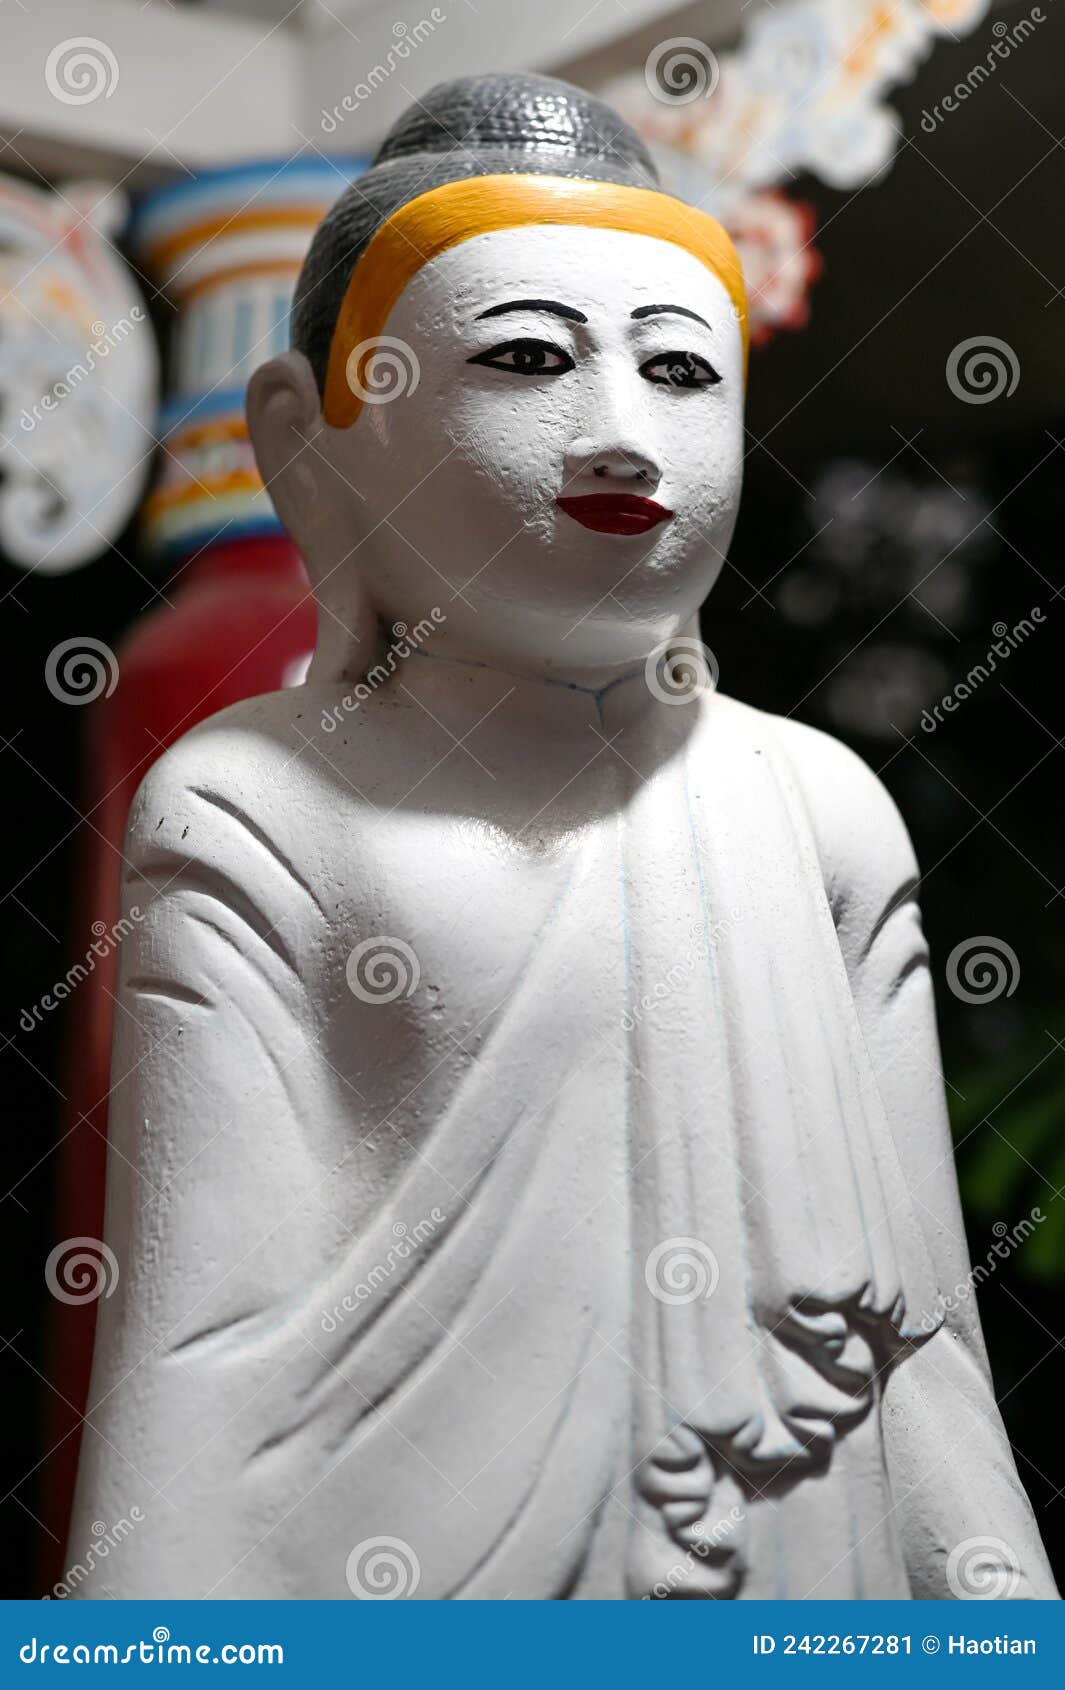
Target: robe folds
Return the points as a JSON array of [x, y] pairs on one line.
[[549, 1209]]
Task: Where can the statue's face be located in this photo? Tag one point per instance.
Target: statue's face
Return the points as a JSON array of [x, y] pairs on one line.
[[563, 479]]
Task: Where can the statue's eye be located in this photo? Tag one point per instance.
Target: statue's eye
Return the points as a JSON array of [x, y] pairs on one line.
[[679, 369], [526, 358]]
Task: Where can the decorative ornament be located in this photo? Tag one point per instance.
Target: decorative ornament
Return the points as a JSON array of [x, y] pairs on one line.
[[78, 376], [803, 91]]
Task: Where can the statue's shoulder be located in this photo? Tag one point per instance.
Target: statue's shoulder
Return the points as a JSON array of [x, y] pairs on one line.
[[265, 769], [240, 811], [861, 838], [234, 756]]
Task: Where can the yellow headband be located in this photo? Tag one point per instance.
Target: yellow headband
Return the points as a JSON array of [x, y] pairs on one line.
[[444, 217]]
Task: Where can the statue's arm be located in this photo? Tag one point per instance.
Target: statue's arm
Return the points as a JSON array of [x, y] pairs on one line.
[[213, 1079], [952, 1471]]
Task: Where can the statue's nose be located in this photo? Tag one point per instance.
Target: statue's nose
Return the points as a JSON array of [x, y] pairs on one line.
[[617, 460]]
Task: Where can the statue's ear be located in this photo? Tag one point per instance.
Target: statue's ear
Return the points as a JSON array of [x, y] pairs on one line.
[[284, 417], [289, 437]]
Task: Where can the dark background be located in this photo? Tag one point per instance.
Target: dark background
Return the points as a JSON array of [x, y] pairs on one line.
[[887, 526]]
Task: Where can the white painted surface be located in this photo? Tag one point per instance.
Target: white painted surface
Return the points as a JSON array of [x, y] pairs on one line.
[[177, 89], [197, 88]]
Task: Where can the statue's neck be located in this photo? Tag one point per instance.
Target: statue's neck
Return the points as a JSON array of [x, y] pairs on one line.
[[462, 690], [593, 681], [545, 684]]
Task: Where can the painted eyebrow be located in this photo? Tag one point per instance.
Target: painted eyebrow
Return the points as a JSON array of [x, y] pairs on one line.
[[551, 305], [675, 310]]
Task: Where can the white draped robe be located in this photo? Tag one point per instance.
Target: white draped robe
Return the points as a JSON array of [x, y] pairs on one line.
[[609, 1260]]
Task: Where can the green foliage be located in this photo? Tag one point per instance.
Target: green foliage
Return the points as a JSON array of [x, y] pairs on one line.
[[1007, 1117]]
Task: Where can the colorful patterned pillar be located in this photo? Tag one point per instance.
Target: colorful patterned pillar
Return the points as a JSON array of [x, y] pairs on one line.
[[226, 250]]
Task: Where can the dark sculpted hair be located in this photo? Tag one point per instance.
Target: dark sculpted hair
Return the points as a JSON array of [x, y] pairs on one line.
[[491, 125]]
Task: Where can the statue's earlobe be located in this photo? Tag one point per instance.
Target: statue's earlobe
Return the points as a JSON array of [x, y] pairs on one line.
[[284, 416]]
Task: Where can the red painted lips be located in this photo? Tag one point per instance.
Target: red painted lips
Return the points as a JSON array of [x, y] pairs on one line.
[[615, 513]]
